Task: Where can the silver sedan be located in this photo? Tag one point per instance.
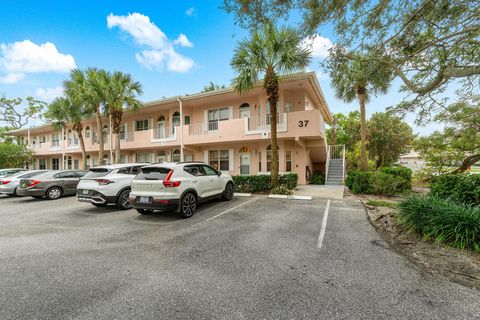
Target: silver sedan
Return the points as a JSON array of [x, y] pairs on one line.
[[8, 185]]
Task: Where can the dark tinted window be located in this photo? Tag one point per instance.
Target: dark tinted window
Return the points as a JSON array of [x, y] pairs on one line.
[[96, 173], [210, 171], [79, 174], [126, 170], [61, 175], [136, 169], [195, 170], [31, 174], [153, 173]]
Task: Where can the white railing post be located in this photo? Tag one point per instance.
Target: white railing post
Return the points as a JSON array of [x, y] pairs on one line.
[[327, 164]]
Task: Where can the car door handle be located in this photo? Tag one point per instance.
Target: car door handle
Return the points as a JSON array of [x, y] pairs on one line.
[[195, 181]]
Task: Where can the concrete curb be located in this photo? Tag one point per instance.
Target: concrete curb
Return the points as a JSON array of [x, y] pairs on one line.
[[289, 197], [239, 194]]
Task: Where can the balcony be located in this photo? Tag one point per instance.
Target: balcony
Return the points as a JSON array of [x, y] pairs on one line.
[[261, 124]]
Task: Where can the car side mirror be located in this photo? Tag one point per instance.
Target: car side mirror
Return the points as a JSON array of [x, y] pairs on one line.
[[219, 173]]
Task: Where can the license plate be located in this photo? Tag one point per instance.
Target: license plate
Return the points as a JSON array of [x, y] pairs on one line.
[[144, 200], [85, 191]]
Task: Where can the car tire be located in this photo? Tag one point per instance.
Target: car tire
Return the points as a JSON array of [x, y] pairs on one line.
[[144, 211], [54, 193], [187, 206], [122, 200], [228, 192]]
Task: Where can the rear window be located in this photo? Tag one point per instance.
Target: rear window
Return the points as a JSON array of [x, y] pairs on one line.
[[96, 173], [153, 173]]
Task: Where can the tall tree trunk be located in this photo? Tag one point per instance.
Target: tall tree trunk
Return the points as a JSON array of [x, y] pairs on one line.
[[333, 132], [467, 163], [98, 118], [271, 88], [116, 123], [82, 148], [363, 161]]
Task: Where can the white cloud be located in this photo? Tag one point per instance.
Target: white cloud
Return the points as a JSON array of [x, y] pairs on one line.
[[161, 53], [183, 41], [49, 94], [20, 58], [318, 45], [190, 11]]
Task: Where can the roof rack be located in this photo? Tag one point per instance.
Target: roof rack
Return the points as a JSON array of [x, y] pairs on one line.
[[181, 162]]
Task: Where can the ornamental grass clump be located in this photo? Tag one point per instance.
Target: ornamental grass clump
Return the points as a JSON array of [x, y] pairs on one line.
[[442, 220]]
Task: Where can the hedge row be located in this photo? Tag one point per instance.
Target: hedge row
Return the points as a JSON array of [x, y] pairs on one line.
[[461, 188], [387, 181], [259, 183], [442, 220]]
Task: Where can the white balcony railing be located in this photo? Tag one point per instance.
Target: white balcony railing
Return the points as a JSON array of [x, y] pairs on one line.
[[261, 124], [164, 134], [197, 129]]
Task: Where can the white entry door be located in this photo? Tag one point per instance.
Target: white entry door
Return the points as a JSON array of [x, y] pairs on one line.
[[245, 163], [244, 112], [161, 129]]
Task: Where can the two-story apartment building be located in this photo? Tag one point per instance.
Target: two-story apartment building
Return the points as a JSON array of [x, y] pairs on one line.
[[224, 128]]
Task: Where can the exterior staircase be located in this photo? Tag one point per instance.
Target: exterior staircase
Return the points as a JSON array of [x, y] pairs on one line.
[[335, 166]]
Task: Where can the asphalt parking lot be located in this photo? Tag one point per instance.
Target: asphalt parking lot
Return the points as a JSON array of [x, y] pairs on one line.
[[251, 258]]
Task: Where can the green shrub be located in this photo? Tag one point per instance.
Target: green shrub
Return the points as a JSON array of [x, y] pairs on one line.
[[289, 180], [387, 181], [281, 189], [461, 188], [251, 184], [318, 178], [442, 220]]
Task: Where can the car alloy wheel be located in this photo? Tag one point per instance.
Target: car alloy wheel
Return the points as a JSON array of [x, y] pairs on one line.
[[188, 205], [54, 193], [122, 202]]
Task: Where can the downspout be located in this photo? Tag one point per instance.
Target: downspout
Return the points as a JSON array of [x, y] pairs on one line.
[[110, 137], [63, 147], [181, 128]]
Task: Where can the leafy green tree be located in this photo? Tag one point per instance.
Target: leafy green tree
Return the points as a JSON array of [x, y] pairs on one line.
[[14, 155], [458, 145], [388, 138], [428, 44], [358, 79], [66, 110], [86, 86], [15, 115], [267, 53], [212, 87], [119, 93], [347, 129]]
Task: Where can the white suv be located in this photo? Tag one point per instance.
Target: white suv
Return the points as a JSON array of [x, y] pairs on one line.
[[108, 184], [178, 186]]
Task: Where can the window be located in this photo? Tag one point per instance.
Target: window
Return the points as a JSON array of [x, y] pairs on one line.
[[195, 170], [210, 171], [65, 174], [216, 115], [176, 118], [176, 155], [42, 164], [76, 141], [219, 159], [55, 164], [104, 133], [259, 162], [79, 174], [187, 120], [70, 137], [88, 161], [55, 140], [69, 162], [288, 161], [123, 132], [87, 132], [142, 157], [288, 107], [95, 137], [76, 164], [153, 173], [123, 158], [97, 173], [43, 139], [141, 125]]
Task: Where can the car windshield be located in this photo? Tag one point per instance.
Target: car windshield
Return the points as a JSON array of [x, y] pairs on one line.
[[153, 173], [96, 173]]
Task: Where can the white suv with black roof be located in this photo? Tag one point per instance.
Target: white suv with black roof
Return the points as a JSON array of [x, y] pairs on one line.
[[178, 186], [108, 184]]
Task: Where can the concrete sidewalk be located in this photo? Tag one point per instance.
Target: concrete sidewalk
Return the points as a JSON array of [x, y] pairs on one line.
[[320, 191]]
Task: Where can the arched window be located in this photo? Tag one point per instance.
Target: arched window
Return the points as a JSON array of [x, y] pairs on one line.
[[87, 132], [70, 137], [244, 150], [244, 110], [161, 118], [176, 155], [176, 118]]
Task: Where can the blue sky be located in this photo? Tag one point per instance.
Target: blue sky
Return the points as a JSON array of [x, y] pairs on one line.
[[171, 47]]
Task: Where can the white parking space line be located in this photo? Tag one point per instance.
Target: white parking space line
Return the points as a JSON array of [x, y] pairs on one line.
[[324, 225], [231, 209]]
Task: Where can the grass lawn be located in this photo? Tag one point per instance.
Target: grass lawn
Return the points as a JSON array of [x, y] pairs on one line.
[[382, 203]]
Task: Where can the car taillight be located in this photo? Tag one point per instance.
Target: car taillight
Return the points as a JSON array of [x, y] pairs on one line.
[[169, 183], [103, 182], [5, 181], [32, 183]]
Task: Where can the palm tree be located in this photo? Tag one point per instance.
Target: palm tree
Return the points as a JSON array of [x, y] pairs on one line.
[[66, 110], [85, 86], [119, 94], [357, 77], [267, 53]]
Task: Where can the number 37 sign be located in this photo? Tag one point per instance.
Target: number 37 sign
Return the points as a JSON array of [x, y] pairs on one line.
[[302, 123]]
